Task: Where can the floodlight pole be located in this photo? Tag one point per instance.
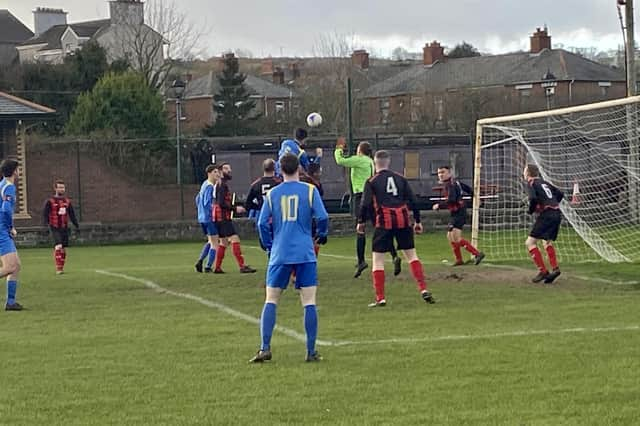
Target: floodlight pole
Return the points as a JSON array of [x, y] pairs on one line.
[[630, 48]]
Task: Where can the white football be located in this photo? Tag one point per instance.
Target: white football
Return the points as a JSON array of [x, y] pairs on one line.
[[314, 119]]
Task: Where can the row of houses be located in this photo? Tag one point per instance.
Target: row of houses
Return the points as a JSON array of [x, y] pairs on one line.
[[436, 94]]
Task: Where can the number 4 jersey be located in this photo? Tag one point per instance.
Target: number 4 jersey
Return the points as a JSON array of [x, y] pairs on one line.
[[388, 196], [291, 206]]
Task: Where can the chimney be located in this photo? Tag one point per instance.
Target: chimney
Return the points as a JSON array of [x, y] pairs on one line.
[[540, 40], [432, 52], [126, 12], [278, 76], [45, 18], [360, 58], [267, 67], [294, 67]]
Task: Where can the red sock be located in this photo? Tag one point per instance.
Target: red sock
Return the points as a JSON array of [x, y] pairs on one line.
[[467, 245], [553, 260], [537, 259], [235, 247], [220, 256], [378, 284], [57, 256], [456, 251], [316, 249], [418, 273]]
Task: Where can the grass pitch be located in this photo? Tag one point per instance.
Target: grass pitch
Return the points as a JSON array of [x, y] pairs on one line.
[[113, 349]]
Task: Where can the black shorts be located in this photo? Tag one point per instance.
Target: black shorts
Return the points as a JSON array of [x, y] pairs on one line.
[[458, 219], [355, 204], [60, 236], [226, 229], [547, 225], [383, 239]]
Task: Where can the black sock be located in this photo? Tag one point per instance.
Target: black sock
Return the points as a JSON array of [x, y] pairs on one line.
[[361, 241], [394, 253]]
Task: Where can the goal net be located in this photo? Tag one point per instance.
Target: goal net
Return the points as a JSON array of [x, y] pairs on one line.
[[589, 152]]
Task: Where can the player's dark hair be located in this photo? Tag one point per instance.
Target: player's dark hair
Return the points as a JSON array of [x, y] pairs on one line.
[[210, 168], [8, 167], [269, 165], [365, 148], [222, 165], [446, 166], [313, 169], [533, 170], [58, 182], [300, 134], [289, 164], [382, 155]]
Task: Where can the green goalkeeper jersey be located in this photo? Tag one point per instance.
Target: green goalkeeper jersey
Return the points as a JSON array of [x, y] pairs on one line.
[[361, 166]]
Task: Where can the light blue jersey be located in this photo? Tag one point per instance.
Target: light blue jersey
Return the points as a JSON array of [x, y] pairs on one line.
[[287, 214], [8, 194], [204, 202], [290, 146]]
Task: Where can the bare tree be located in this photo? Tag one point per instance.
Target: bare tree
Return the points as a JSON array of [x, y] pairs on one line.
[[326, 93], [166, 36]]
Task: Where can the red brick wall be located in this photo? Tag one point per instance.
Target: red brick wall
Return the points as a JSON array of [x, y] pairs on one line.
[[105, 194]]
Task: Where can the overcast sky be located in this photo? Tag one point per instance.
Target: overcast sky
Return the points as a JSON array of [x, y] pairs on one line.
[[293, 27]]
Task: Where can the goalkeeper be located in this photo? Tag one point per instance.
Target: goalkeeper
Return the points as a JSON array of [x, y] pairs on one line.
[[362, 169]]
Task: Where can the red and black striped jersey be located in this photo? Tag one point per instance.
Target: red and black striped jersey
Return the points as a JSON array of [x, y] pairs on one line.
[[543, 195], [388, 196], [258, 190], [58, 211], [453, 192], [308, 179], [223, 205]]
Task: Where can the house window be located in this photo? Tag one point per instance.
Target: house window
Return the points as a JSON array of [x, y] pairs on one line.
[[604, 87], [438, 104], [280, 111], [385, 106], [412, 165], [525, 93], [416, 109]]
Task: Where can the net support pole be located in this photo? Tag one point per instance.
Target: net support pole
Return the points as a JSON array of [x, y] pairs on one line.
[[477, 165], [634, 158]]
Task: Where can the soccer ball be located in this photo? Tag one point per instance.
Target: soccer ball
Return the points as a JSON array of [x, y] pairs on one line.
[[314, 119]]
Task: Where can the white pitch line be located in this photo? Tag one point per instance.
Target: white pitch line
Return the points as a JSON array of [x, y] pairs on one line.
[[454, 337], [211, 304], [302, 338]]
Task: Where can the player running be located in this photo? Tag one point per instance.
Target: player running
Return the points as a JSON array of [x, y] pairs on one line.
[[204, 204], [288, 212], [452, 196], [8, 253], [544, 199], [57, 213], [389, 196], [222, 212]]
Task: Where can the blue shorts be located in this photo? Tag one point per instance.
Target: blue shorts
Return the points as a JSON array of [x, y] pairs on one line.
[[7, 245], [209, 228], [278, 276]]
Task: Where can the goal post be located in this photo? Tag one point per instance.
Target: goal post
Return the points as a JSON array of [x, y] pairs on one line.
[[590, 152]]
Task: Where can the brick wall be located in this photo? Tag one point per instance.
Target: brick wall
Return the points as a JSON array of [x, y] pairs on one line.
[[100, 193]]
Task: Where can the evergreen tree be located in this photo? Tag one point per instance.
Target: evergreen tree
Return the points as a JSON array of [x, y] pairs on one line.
[[463, 50], [232, 104]]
